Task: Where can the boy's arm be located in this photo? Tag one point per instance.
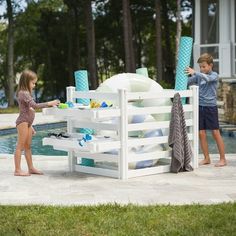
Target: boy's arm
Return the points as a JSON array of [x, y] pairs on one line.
[[195, 76], [192, 80], [207, 77]]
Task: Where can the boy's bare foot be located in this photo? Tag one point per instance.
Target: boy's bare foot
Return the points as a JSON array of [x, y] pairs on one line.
[[21, 173], [221, 164], [35, 172], [204, 162]]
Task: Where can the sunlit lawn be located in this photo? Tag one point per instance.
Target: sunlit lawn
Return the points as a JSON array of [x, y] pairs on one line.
[[116, 220]]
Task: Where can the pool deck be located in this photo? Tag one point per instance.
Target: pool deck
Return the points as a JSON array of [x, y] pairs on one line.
[[205, 185], [7, 121]]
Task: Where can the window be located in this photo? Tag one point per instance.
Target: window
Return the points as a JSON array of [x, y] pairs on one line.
[[209, 21], [214, 51]]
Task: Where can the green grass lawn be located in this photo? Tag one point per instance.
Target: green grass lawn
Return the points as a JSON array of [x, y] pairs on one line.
[[119, 220]]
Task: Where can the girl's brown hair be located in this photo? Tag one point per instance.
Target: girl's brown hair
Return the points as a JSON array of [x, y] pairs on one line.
[[25, 78]]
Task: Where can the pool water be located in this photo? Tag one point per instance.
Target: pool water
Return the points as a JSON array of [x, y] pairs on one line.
[[229, 142], [8, 143]]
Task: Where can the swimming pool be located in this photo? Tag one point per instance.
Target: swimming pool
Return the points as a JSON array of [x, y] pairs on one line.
[[8, 143], [229, 141]]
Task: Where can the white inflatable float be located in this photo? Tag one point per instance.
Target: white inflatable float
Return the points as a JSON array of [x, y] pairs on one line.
[[139, 83], [136, 83]]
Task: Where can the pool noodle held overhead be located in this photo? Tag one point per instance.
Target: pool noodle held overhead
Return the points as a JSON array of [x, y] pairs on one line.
[[184, 58]]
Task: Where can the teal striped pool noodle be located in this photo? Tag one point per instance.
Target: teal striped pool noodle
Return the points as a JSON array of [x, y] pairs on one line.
[[142, 71], [86, 131], [184, 58], [81, 84]]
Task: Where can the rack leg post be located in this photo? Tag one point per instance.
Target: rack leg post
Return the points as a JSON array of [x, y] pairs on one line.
[[70, 98], [72, 160], [194, 102], [123, 160]]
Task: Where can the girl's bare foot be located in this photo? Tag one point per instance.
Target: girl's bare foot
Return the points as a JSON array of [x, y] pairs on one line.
[[221, 163], [35, 172], [21, 173], [204, 162]]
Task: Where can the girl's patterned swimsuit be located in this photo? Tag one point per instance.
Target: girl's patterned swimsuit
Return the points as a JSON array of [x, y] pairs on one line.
[[26, 107]]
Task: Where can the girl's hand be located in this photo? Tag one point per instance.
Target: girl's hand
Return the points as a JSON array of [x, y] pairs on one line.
[[54, 103], [189, 71], [33, 130]]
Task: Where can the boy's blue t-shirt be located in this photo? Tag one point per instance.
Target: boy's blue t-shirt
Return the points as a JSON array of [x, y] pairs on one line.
[[207, 87]]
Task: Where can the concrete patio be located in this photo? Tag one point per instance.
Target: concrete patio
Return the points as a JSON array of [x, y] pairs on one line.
[[205, 185]]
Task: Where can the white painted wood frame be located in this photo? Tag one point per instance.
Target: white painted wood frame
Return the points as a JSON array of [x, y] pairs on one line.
[[99, 149]]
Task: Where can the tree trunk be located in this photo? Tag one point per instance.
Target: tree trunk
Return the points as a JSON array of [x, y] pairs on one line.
[[159, 67], [128, 43], [73, 25], [70, 61], [92, 66], [178, 29], [131, 44], [77, 38], [10, 54], [168, 60]]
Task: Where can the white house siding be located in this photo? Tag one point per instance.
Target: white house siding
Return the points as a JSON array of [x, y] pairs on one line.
[[215, 33]]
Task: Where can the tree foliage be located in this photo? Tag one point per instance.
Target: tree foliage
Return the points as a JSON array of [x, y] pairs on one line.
[[53, 38]]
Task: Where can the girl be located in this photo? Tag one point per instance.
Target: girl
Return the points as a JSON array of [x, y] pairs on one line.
[[24, 121]]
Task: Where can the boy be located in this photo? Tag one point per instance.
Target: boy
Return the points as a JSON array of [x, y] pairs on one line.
[[207, 80]]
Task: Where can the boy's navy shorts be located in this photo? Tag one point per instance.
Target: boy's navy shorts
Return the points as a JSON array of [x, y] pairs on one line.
[[208, 118]]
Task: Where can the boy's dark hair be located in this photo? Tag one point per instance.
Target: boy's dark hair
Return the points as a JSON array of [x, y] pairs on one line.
[[205, 57]]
